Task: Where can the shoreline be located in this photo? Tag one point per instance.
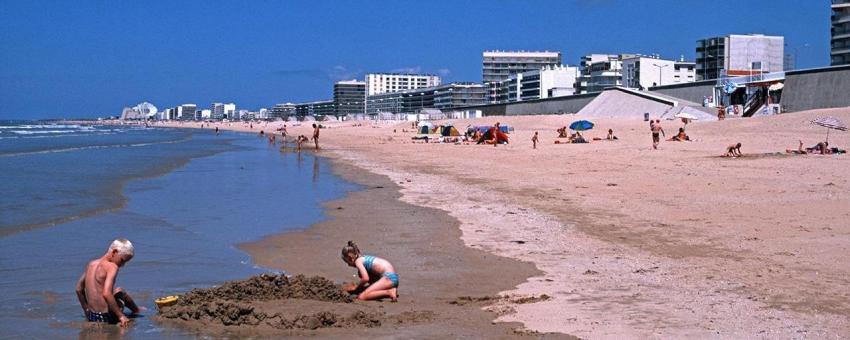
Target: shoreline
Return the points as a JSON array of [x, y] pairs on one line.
[[434, 275]]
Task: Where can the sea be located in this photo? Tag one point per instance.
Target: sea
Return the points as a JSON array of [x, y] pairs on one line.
[[185, 198]]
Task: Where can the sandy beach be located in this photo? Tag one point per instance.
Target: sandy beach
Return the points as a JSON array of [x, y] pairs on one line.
[[625, 241]]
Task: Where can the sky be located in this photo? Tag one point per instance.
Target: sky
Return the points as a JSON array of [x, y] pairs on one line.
[[79, 59]]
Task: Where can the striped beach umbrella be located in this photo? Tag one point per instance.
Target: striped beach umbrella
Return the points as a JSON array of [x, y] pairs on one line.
[[830, 123]]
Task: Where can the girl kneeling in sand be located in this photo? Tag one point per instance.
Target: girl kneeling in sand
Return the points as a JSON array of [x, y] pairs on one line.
[[378, 279]]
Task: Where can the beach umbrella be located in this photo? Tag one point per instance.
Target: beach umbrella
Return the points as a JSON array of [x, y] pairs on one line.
[[581, 125], [830, 123]]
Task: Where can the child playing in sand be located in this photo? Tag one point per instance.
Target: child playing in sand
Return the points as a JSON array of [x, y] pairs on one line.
[[99, 300], [300, 140], [534, 140], [733, 150], [378, 279]]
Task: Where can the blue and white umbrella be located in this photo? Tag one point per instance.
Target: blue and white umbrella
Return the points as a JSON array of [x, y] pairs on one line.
[[830, 123]]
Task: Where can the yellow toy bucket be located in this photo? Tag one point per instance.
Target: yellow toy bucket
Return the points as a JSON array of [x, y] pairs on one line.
[[166, 301]]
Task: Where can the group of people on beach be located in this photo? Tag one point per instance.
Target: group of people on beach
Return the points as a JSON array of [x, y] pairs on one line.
[[102, 302], [299, 141]]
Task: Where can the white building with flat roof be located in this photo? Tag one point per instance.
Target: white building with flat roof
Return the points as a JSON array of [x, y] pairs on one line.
[[643, 72], [498, 66], [377, 83], [223, 111], [739, 55], [546, 82]]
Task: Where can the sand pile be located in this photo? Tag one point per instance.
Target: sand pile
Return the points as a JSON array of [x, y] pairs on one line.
[[276, 301]]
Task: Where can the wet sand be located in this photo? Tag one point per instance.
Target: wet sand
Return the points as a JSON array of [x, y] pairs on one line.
[[443, 284]]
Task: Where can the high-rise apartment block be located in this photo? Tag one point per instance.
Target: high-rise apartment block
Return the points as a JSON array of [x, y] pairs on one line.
[[739, 55], [223, 111], [350, 97], [840, 42], [498, 66], [377, 83]]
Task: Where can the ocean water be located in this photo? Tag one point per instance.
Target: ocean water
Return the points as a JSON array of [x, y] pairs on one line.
[[185, 198]]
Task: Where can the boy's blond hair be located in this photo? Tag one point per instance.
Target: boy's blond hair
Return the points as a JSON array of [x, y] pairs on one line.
[[124, 247]]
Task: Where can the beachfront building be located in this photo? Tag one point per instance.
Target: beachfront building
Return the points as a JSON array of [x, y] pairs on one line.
[[315, 109], [600, 71], [840, 39], [203, 114], [443, 97], [223, 111], [547, 82], [498, 66], [739, 55], [643, 72], [350, 97], [142, 111], [185, 112], [283, 110], [377, 83]]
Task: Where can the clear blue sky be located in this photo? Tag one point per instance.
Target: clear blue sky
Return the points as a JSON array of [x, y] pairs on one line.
[[63, 59]]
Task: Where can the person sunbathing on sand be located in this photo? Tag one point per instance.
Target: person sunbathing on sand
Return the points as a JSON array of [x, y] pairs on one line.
[[611, 135], [822, 148], [680, 137], [562, 132], [733, 150], [799, 150], [378, 278], [101, 302]]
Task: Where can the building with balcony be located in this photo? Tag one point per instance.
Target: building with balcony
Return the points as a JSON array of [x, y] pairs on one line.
[[377, 83], [443, 97], [350, 97], [223, 111], [599, 71], [316, 108], [840, 39], [498, 66], [546, 82], [738, 55], [283, 110], [643, 72]]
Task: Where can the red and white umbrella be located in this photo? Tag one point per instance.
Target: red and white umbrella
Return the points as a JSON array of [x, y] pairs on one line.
[[830, 123]]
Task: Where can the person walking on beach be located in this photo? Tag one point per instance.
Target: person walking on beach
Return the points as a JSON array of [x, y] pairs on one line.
[[100, 300], [378, 278], [316, 135], [534, 140], [656, 129]]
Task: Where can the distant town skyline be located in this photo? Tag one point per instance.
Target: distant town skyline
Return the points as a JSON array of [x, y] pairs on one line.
[[95, 57]]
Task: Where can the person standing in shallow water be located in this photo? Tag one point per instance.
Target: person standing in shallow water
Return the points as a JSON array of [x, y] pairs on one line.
[[101, 302], [378, 278], [316, 135]]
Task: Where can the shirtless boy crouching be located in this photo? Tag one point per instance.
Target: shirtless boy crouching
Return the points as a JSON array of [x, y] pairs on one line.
[[101, 302]]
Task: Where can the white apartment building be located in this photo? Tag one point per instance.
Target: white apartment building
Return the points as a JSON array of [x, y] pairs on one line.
[[498, 66], [599, 71], [643, 72], [546, 82], [223, 111], [377, 83], [739, 55], [206, 114]]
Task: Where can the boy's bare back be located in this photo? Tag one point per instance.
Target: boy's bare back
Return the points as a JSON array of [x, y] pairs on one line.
[[97, 272]]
